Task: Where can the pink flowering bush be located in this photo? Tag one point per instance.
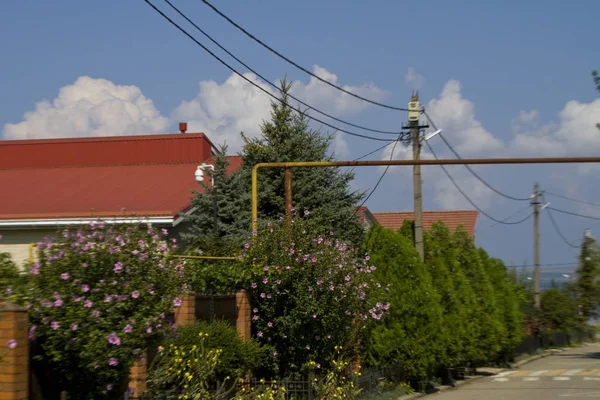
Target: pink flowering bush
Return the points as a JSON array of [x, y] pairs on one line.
[[309, 294], [100, 296]]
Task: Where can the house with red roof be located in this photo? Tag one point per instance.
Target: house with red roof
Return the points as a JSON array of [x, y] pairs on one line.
[[54, 183], [394, 220]]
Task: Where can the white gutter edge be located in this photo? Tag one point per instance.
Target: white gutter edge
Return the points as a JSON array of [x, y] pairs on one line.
[[31, 223], [181, 217]]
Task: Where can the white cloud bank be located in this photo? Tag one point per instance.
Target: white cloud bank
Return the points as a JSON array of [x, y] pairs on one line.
[[90, 107], [98, 107]]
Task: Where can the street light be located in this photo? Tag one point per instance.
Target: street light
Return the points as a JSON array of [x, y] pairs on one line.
[[199, 174]]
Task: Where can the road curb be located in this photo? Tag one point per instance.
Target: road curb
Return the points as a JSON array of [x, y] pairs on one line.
[[477, 377]]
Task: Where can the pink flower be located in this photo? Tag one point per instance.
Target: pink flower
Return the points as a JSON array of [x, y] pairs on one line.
[[265, 280], [164, 232], [177, 302], [270, 324], [58, 303], [254, 285], [331, 287], [118, 268], [114, 339], [262, 295], [85, 288], [135, 294], [35, 269], [74, 327], [314, 315], [135, 252], [107, 299], [128, 328], [149, 330], [88, 304], [306, 212], [64, 276], [12, 344], [113, 362], [55, 325], [259, 334]]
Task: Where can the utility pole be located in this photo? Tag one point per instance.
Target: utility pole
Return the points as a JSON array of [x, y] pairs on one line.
[[415, 134], [536, 246]]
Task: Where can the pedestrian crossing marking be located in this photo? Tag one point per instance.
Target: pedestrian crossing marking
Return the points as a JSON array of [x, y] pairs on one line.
[[572, 372], [538, 373], [556, 372], [590, 372], [520, 373], [531, 378], [562, 378]]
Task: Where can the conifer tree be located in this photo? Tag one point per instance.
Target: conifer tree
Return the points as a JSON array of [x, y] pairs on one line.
[[413, 331], [587, 284], [324, 192]]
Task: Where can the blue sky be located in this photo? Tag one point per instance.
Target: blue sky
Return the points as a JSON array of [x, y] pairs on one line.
[[503, 78]]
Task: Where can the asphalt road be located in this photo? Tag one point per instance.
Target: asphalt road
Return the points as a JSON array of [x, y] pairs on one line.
[[570, 375]]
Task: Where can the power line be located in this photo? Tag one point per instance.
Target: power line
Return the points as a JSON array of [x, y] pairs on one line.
[[557, 229], [371, 152], [512, 215], [467, 197], [258, 86], [572, 199], [571, 264], [209, 37], [380, 179], [573, 213], [470, 169], [278, 54]]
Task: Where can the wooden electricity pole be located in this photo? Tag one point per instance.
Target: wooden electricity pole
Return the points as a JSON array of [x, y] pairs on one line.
[[536, 246], [415, 133]]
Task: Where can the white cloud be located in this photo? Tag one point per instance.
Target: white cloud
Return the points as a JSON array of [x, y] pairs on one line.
[[90, 107], [224, 110], [448, 197], [414, 79], [331, 100], [456, 116], [574, 133], [341, 149]]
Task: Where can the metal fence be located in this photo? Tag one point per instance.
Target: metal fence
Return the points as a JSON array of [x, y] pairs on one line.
[[547, 340]]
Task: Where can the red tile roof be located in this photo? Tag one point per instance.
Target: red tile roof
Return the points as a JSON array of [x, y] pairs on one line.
[[452, 219], [114, 150], [95, 177]]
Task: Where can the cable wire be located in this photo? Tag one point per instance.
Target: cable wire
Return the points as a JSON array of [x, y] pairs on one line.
[[379, 181], [268, 81], [557, 229], [371, 152], [471, 201], [573, 213], [471, 169], [572, 199], [301, 68], [512, 215], [258, 86]]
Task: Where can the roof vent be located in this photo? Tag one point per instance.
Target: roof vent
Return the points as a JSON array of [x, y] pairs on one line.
[[182, 127]]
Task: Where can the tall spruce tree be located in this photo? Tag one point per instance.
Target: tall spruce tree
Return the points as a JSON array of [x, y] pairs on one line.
[[323, 191], [587, 284]]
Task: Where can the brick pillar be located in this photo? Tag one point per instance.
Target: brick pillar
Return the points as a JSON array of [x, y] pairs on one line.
[[14, 369], [244, 315], [138, 375], [186, 314]]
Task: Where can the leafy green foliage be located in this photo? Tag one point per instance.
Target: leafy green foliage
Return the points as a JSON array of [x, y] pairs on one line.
[[558, 310], [587, 285], [596, 77], [285, 137], [412, 332], [100, 297], [184, 371], [237, 357], [14, 284], [309, 294]]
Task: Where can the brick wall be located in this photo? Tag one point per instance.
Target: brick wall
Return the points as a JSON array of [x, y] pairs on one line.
[[186, 314], [14, 370], [243, 322]]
